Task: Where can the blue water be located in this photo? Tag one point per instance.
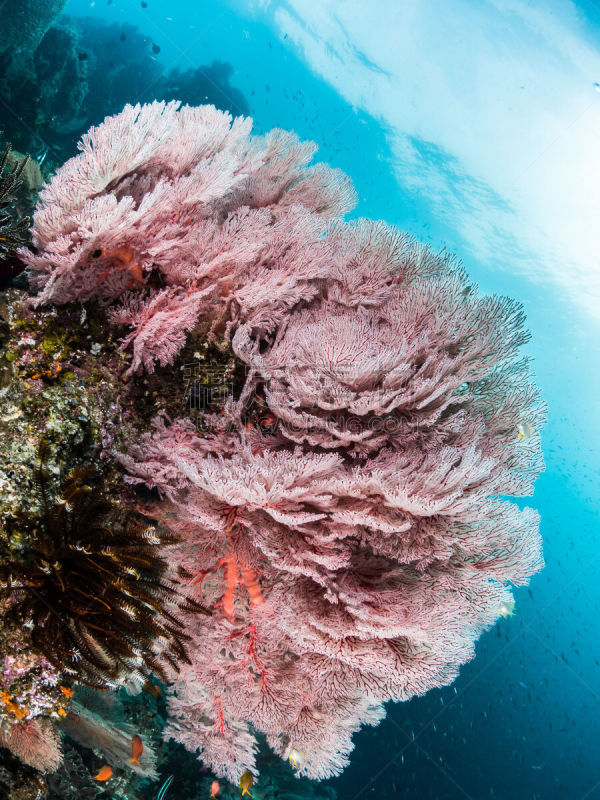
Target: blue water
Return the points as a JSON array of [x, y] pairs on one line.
[[521, 721]]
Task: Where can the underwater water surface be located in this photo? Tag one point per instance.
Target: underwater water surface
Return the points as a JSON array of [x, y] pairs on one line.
[[474, 126]]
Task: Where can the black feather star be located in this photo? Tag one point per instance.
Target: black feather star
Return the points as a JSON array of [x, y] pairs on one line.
[[92, 585], [11, 230]]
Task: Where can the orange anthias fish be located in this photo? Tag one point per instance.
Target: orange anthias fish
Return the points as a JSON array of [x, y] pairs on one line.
[[246, 782], [137, 747], [214, 788], [104, 774]]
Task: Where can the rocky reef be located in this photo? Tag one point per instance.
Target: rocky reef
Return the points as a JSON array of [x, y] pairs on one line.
[[24, 25], [79, 70]]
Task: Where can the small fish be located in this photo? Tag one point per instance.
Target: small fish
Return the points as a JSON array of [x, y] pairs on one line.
[[525, 431], [214, 788], [137, 747], [104, 774], [68, 693], [164, 788], [136, 273], [296, 758], [155, 48], [246, 782], [507, 609]]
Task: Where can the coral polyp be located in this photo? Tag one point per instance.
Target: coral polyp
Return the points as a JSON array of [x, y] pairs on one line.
[[91, 582]]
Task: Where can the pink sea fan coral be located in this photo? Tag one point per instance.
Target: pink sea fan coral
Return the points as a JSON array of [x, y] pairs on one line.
[[35, 742], [186, 197], [159, 325], [346, 511]]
